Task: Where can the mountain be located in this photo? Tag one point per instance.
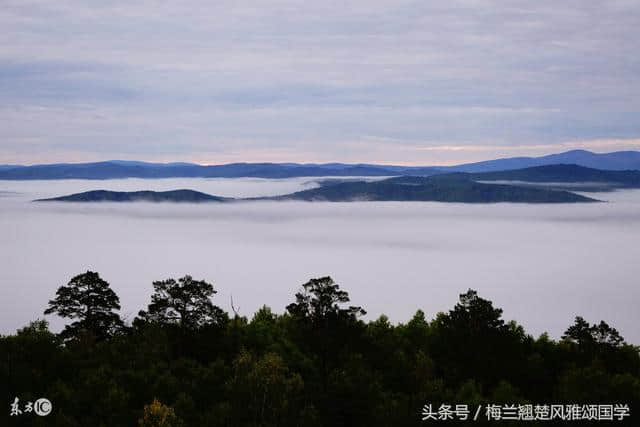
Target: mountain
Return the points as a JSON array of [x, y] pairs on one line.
[[455, 187], [622, 160], [177, 196], [6, 167], [122, 169], [440, 188], [565, 174], [98, 170], [619, 160]]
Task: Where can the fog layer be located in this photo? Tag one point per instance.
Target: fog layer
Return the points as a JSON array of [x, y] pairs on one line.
[[543, 264]]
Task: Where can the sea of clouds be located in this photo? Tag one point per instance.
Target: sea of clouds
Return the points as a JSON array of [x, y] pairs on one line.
[[543, 264]]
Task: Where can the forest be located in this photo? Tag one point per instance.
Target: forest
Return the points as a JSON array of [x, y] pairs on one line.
[[184, 361]]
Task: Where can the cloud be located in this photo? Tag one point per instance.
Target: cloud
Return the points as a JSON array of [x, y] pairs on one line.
[[191, 79], [393, 258], [598, 144]]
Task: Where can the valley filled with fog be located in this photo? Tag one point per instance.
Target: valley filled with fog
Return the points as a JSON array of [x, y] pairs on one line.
[[543, 264]]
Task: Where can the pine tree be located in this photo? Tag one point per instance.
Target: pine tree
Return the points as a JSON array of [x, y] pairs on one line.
[[185, 302], [92, 303]]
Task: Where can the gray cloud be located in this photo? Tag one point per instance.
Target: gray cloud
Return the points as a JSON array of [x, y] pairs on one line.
[[297, 81]]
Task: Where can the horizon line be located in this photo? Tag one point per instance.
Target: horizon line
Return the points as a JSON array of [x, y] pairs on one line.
[[311, 163]]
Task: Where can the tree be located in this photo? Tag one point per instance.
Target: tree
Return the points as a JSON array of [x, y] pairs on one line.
[[263, 392], [584, 334], [475, 314], [466, 338], [159, 415], [327, 329], [605, 334], [91, 301], [320, 300], [185, 302], [579, 332]]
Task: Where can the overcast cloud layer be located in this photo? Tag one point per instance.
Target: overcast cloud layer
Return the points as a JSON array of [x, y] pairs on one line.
[[282, 80]]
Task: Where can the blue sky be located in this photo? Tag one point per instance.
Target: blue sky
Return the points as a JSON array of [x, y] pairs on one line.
[[399, 81]]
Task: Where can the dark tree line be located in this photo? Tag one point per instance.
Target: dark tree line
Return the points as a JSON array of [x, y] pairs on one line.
[[186, 362]]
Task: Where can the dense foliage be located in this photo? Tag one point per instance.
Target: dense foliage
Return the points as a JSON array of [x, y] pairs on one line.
[[185, 362]]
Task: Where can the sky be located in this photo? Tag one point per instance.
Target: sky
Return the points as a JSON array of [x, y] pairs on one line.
[[404, 82]]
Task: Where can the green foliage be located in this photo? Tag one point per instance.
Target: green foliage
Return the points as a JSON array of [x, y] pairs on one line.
[[159, 415], [320, 301], [324, 329], [588, 335], [185, 302], [91, 301], [264, 392], [465, 341], [318, 364]]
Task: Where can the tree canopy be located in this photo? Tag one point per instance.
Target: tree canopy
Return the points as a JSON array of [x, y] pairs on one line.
[[583, 333], [318, 363], [91, 302], [321, 299], [185, 302]]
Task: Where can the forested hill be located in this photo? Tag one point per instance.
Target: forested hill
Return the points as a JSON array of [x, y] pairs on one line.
[[445, 188], [564, 174], [439, 188], [508, 186], [176, 196], [184, 361]]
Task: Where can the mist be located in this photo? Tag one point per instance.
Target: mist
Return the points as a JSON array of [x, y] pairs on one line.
[[543, 264]]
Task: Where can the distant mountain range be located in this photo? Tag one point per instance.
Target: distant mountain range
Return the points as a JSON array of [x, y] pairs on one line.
[[6, 167], [120, 169], [448, 187], [621, 160]]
